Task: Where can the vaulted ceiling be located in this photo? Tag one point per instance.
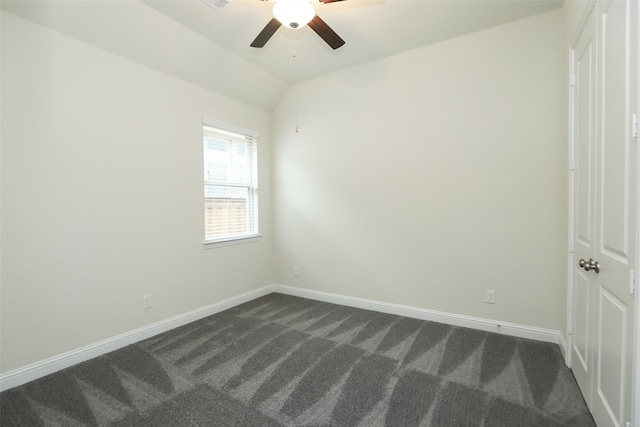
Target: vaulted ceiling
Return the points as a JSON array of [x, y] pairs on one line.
[[197, 43]]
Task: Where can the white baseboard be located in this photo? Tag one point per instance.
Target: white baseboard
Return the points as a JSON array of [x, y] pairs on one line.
[[48, 366], [512, 329]]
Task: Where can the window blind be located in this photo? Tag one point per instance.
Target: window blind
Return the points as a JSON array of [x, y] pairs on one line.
[[230, 184]]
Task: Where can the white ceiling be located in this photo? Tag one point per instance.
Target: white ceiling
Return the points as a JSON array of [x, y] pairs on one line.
[[210, 48], [372, 29]]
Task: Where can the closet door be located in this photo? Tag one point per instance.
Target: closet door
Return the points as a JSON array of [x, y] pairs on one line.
[[583, 101], [615, 252], [604, 180]]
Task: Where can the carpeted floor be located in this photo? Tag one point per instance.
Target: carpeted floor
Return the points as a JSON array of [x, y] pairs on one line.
[[286, 361]]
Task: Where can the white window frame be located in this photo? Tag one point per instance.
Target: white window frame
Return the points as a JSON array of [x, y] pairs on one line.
[[252, 187]]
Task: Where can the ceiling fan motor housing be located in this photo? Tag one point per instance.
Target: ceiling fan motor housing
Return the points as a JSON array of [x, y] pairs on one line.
[[294, 13]]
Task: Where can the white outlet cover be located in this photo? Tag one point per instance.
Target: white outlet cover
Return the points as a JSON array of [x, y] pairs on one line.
[[490, 296]]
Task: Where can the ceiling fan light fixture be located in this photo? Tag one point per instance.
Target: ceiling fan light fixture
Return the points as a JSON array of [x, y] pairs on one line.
[[294, 13]]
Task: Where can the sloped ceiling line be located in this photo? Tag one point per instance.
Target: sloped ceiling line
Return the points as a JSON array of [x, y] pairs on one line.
[[191, 41]]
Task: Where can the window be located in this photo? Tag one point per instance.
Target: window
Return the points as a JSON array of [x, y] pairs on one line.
[[230, 183]]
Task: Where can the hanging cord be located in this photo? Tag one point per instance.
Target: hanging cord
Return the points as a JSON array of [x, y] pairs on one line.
[[295, 78]]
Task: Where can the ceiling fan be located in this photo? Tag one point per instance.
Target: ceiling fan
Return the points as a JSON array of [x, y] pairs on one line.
[[296, 14]]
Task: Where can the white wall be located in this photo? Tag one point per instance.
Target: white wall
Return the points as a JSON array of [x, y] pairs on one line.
[[102, 196], [425, 178], [421, 179]]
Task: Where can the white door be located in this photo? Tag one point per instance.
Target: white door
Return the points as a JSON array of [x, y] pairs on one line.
[[583, 102], [605, 216], [616, 215]]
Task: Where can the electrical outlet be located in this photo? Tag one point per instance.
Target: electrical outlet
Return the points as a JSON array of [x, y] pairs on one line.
[[490, 296], [296, 271], [146, 302]]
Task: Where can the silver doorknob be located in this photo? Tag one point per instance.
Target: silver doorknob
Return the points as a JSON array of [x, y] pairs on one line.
[[590, 265]]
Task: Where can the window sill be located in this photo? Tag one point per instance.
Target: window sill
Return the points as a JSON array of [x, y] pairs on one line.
[[211, 244]]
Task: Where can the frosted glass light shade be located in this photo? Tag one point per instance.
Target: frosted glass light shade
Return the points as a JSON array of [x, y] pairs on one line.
[[294, 13]]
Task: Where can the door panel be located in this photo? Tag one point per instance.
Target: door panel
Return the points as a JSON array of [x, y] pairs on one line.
[[613, 129], [585, 134], [611, 369], [581, 323]]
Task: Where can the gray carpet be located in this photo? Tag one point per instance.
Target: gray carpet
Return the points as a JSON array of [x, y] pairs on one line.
[[286, 361]]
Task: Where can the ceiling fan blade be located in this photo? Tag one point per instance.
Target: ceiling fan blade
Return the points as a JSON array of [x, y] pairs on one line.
[[325, 32], [266, 33], [329, 1]]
